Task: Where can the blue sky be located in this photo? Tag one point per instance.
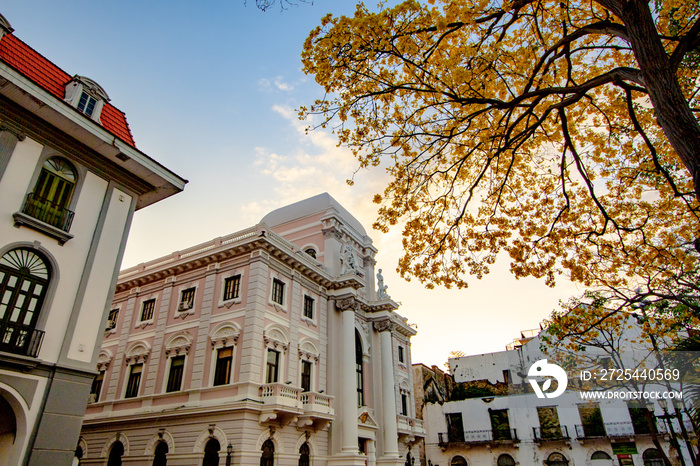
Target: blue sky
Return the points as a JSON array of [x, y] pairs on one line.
[[210, 91]]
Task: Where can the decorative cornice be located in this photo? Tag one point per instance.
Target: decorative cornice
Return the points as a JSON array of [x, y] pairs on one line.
[[348, 304], [384, 326]]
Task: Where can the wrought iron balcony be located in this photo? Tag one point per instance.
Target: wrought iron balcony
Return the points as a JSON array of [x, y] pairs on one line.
[[616, 429], [480, 437], [20, 339], [590, 430], [48, 212], [553, 433]]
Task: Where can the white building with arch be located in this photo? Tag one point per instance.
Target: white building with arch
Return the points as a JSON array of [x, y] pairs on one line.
[[487, 414], [71, 178], [286, 353]]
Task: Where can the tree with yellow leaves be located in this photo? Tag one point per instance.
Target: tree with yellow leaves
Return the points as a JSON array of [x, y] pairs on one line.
[[564, 133]]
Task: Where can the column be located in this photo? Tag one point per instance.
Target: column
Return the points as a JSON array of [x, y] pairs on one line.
[[391, 435], [349, 382]]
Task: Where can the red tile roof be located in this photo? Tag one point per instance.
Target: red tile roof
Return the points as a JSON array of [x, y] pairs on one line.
[[53, 79]]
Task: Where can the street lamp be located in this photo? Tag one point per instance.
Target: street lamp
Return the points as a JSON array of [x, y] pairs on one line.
[[229, 449]]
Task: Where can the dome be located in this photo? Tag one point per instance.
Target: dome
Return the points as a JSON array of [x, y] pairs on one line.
[[322, 203]]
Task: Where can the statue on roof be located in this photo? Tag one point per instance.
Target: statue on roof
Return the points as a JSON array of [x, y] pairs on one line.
[[381, 287]]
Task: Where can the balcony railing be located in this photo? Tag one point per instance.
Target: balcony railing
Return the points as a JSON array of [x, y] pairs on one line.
[[48, 212], [481, 436], [316, 402], [550, 433], [20, 339], [409, 425], [590, 430]]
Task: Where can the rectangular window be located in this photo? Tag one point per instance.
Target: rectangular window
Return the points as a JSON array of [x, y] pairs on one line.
[[549, 422], [500, 425], [112, 319], [87, 104], [97, 387], [277, 291], [147, 310], [643, 421], [401, 354], [404, 404], [455, 428], [186, 299], [305, 375], [132, 385], [591, 420], [232, 287], [224, 362], [177, 368], [273, 359], [308, 307]]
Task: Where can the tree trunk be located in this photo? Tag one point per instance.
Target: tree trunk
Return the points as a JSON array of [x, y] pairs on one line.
[[672, 110]]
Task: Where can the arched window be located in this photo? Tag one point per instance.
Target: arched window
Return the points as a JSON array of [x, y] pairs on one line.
[[652, 457], [24, 279], [311, 252], [600, 455], [458, 461], [52, 194], [359, 369], [557, 459], [268, 454], [304, 455], [505, 460], [115, 454], [211, 453], [161, 452]]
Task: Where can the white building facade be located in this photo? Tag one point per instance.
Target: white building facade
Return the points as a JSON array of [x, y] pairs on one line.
[[70, 181], [497, 420], [274, 345]]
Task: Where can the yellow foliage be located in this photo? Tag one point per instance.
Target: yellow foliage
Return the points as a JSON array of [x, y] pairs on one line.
[[525, 127]]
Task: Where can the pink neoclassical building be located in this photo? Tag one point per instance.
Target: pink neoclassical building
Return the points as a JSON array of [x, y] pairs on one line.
[[276, 345]]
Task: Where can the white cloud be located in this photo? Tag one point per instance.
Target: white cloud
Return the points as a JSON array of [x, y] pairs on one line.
[[283, 86], [278, 82]]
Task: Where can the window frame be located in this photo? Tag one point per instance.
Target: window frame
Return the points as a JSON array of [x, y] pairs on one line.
[[229, 369], [309, 308], [306, 379], [133, 384], [176, 378], [144, 322], [233, 292], [359, 370], [89, 98], [222, 291], [112, 322], [277, 292], [29, 221], [15, 264], [187, 297], [272, 368], [96, 387]]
